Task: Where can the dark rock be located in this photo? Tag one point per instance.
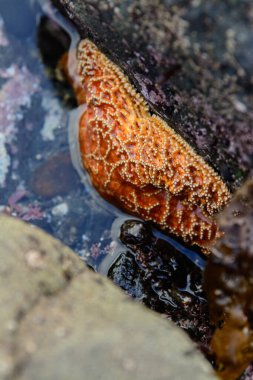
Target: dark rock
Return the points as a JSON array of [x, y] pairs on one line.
[[49, 30], [230, 290], [153, 271], [183, 59], [134, 232]]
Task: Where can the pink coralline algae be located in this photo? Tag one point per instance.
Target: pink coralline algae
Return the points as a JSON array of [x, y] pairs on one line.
[[15, 93], [29, 212]]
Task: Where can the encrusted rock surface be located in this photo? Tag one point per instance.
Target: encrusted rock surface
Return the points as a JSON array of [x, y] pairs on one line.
[[191, 61], [59, 320], [230, 290]]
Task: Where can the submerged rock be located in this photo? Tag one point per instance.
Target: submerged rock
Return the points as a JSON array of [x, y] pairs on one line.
[[19, 17], [54, 177]]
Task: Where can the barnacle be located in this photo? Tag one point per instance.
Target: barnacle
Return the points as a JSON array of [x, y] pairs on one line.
[[137, 161]]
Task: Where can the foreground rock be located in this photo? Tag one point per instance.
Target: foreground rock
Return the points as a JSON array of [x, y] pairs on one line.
[[61, 321]]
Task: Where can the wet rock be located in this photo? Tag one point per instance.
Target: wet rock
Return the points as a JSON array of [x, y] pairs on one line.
[[54, 177], [134, 232], [59, 41], [162, 277], [183, 59], [59, 320], [51, 53], [229, 286]]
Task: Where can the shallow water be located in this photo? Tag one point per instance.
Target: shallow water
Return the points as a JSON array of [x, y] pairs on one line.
[[42, 182]]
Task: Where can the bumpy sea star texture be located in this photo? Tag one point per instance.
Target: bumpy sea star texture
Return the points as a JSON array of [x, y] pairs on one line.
[[191, 61], [137, 161]]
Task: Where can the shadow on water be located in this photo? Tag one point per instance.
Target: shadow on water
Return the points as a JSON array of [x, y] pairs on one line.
[[41, 180]]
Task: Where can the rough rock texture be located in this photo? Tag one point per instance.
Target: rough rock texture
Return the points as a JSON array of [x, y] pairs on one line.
[[230, 291], [166, 280], [59, 320], [192, 61]]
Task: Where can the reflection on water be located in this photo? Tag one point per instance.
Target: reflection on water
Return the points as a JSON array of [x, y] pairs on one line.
[[41, 180]]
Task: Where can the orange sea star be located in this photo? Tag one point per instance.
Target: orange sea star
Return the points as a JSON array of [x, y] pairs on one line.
[[137, 161]]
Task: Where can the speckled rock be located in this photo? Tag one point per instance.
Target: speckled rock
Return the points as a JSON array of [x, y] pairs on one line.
[[192, 61], [59, 320], [230, 291]]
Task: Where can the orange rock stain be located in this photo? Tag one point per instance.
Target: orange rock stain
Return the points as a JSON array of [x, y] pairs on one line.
[[137, 161]]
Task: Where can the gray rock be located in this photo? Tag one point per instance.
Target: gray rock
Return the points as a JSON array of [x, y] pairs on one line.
[[59, 320]]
